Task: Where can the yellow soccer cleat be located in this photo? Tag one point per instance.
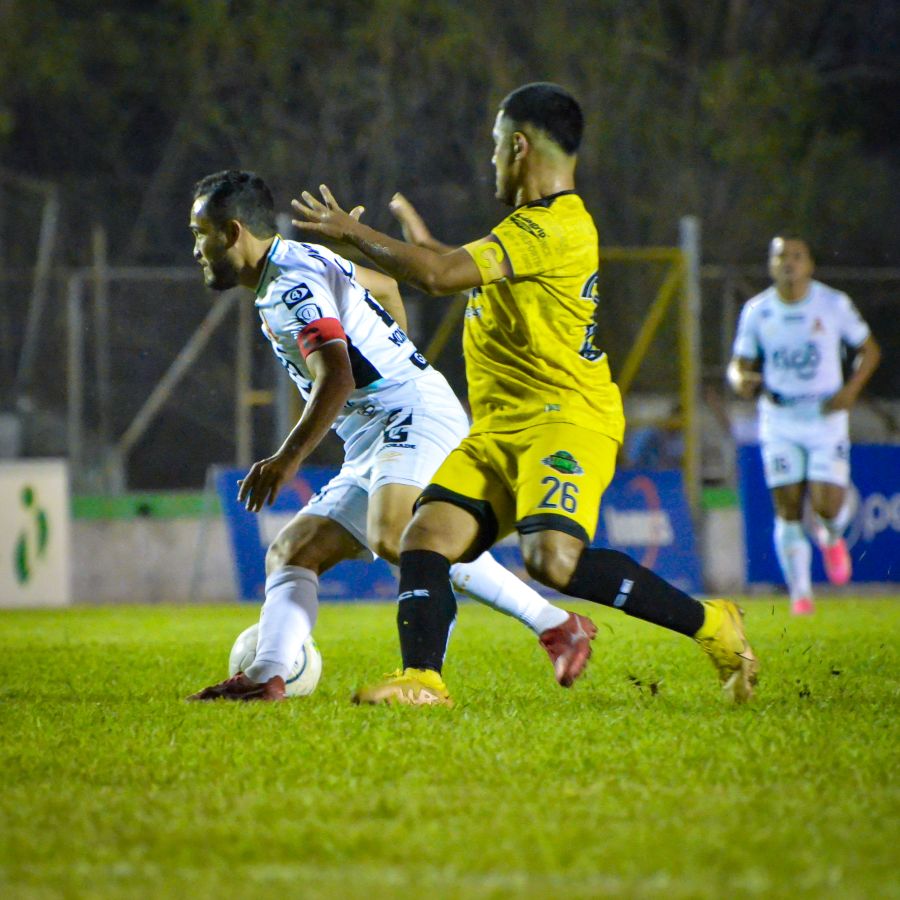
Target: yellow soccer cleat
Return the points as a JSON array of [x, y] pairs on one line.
[[722, 638], [410, 687]]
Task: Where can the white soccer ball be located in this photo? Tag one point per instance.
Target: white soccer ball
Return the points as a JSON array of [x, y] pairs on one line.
[[304, 674]]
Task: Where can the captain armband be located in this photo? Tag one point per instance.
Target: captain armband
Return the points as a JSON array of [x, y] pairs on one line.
[[489, 256], [319, 333]]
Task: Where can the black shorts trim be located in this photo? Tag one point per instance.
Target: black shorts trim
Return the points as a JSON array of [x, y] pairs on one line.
[[481, 509], [552, 522]]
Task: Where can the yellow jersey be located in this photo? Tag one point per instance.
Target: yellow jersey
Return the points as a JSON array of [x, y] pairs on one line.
[[529, 339]]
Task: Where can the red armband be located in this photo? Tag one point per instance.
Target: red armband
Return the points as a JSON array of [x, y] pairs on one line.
[[318, 333]]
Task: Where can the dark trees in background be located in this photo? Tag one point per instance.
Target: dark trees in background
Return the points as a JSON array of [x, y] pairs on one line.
[[747, 113]]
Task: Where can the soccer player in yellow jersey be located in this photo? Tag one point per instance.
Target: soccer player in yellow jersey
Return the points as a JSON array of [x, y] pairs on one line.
[[547, 417]]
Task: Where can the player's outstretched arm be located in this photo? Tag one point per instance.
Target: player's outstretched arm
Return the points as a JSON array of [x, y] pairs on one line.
[[430, 271], [868, 356], [332, 385], [415, 231]]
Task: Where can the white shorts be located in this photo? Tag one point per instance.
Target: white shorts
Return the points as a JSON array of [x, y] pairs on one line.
[[804, 447], [403, 445]]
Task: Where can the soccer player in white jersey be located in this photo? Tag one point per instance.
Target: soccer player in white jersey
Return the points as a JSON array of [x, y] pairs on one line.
[[338, 329], [788, 350]]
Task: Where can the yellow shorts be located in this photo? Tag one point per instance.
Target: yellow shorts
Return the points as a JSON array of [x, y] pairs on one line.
[[547, 477]]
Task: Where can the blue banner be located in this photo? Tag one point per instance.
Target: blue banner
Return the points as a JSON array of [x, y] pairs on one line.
[[251, 533], [873, 535], [644, 513]]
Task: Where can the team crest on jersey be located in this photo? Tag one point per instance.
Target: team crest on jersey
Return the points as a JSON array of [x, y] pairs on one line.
[[296, 295], [309, 312], [818, 328], [563, 462]]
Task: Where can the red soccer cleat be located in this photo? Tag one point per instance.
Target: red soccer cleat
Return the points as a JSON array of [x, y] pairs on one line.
[[569, 647], [240, 687], [836, 558]]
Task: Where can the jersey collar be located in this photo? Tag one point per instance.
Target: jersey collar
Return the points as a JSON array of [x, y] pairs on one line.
[[270, 271], [546, 201]]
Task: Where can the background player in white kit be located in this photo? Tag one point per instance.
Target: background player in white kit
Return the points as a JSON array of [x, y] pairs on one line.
[[788, 349], [398, 418]]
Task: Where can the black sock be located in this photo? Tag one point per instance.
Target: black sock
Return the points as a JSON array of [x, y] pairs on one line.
[[615, 579], [426, 609]]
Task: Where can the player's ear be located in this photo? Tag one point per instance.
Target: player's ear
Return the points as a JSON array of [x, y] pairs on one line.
[[520, 145], [232, 230]]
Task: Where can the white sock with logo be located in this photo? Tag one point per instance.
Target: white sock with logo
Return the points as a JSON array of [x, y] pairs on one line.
[[795, 556], [288, 617], [486, 581]]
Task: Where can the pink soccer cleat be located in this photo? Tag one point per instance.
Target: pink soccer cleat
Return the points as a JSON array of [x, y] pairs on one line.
[[803, 607], [836, 558]]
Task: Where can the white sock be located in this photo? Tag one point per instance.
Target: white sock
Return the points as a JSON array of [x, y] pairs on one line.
[[830, 531], [795, 556], [287, 619], [486, 581]]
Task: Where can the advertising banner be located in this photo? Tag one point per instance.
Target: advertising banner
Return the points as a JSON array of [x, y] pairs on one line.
[[251, 533], [35, 533], [644, 513], [873, 535]]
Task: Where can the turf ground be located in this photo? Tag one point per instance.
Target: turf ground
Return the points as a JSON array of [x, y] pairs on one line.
[[637, 782]]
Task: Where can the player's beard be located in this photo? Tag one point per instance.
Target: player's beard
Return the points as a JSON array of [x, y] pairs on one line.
[[221, 275]]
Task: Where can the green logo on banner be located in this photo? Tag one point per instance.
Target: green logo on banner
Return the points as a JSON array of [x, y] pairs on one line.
[[33, 540]]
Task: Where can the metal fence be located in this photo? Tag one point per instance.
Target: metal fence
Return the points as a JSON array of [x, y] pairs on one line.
[[144, 379]]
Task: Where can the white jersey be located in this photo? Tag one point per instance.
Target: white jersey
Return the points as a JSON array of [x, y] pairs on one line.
[[306, 290], [799, 343]]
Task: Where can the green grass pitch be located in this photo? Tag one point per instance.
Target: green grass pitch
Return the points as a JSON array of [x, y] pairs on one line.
[[637, 782]]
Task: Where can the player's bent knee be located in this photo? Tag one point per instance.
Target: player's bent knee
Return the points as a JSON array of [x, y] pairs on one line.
[[284, 551], [385, 543], [552, 566], [305, 542]]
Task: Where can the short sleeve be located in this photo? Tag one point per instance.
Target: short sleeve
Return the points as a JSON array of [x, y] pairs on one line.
[[306, 298], [853, 328], [746, 344], [531, 239]]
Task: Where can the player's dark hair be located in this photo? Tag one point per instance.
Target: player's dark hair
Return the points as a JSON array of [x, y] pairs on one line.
[[790, 234], [235, 194], [548, 107]]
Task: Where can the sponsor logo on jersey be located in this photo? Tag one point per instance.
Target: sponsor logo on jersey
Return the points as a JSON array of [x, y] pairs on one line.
[[527, 225], [563, 462], [418, 360], [397, 337], [802, 361], [296, 295]]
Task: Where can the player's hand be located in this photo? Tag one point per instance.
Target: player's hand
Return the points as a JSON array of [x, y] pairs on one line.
[[415, 231], [324, 216], [748, 384], [843, 399], [263, 482]]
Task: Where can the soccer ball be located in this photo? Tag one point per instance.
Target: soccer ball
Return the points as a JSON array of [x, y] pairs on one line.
[[304, 674]]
